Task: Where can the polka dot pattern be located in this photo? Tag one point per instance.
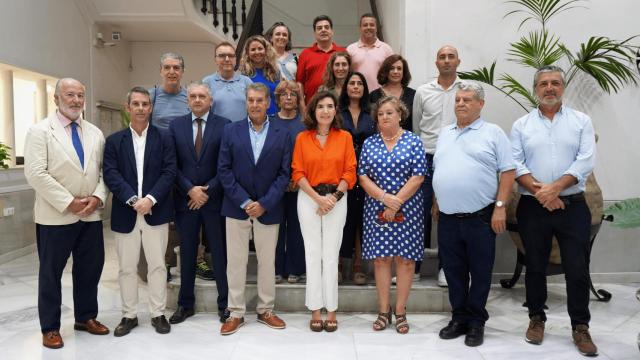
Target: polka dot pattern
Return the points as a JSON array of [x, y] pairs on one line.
[[390, 170]]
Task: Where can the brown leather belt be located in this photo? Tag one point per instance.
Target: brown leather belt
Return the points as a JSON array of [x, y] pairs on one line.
[[324, 189]]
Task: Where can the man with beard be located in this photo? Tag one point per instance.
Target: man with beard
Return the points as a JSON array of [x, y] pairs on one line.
[[554, 150]]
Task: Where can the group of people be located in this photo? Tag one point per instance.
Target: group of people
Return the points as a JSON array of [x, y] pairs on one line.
[[315, 157]]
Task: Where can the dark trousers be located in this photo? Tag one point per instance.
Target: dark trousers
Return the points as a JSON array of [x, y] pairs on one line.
[[189, 224], [355, 204], [427, 201], [290, 248], [467, 247], [571, 227], [85, 242]]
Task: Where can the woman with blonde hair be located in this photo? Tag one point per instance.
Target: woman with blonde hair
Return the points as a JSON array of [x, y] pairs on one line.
[[335, 73], [259, 63]]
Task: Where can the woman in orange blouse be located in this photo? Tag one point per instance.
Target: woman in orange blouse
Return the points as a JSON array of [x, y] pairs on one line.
[[324, 167]]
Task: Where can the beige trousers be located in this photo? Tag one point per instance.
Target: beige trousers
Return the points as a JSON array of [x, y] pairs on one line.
[[265, 238], [153, 239]]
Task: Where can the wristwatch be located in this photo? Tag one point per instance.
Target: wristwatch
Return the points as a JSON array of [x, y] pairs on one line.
[[338, 194], [500, 204], [132, 200]]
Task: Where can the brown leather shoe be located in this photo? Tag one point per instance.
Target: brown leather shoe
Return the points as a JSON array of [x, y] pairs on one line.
[[52, 340], [582, 339], [272, 320], [231, 325], [535, 332], [92, 326]]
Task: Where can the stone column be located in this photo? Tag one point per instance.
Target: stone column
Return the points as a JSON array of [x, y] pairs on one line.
[[7, 131], [42, 101]]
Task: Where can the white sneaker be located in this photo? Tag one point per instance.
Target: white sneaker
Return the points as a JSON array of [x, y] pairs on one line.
[[442, 280], [416, 277]]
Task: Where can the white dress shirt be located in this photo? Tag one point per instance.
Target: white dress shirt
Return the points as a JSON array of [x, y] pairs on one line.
[[139, 144]]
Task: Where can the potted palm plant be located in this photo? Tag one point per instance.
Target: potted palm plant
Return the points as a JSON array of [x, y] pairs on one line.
[[5, 156]]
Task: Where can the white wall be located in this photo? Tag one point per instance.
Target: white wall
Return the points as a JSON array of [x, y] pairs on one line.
[[481, 35]]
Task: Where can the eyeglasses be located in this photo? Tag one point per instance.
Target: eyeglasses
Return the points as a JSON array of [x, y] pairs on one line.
[[290, 94], [224, 56]]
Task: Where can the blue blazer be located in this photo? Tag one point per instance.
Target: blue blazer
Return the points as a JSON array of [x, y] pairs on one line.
[[242, 178], [121, 177], [193, 171]]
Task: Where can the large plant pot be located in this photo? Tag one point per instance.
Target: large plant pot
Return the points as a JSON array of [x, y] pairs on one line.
[[593, 196]]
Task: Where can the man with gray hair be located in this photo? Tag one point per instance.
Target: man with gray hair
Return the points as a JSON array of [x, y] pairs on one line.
[[169, 100], [473, 177], [554, 151]]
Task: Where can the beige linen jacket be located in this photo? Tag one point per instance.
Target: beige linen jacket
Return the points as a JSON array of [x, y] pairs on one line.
[[53, 169]]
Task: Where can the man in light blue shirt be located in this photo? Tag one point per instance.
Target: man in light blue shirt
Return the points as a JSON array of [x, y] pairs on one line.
[[169, 100], [472, 180], [554, 150], [227, 86]]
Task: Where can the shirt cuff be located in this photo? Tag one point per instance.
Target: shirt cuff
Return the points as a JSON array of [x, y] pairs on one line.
[[153, 200], [245, 203]]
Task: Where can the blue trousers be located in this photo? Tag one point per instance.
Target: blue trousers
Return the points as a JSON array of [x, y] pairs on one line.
[[290, 248], [85, 242], [427, 201], [189, 224], [467, 247], [571, 226]]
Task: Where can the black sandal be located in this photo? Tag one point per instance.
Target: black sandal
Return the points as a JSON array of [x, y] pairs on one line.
[[402, 326], [382, 321]]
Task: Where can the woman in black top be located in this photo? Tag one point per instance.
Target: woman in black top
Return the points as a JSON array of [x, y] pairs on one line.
[[394, 78], [354, 107]]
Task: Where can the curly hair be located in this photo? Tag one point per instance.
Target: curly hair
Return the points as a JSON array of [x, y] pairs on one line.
[[293, 87], [246, 67], [398, 105], [310, 122], [329, 78]]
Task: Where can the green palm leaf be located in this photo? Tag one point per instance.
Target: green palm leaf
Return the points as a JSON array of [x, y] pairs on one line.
[[513, 86], [536, 50], [482, 74], [541, 10], [606, 60], [626, 213]]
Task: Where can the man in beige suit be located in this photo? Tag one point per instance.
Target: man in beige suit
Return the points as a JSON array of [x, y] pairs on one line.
[[63, 164]]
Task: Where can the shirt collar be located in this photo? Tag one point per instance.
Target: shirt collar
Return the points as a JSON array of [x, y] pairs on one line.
[[203, 117], [265, 125], [65, 121], [141, 136], [218, 77], [560, 111], [316, 48], [436, 85], [475, 125], [376, 44]]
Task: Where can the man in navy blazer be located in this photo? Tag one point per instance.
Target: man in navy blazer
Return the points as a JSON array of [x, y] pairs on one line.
[[198, 196], [140, 169], [254, 169]]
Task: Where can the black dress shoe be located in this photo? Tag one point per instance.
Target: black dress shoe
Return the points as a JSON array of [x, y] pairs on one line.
[[181, 315], [475, 336], [125, 326], [224, 315], [161, 324], [453, 330]]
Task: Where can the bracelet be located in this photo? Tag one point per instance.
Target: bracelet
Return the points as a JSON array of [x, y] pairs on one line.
[[382, 197], [338, 194]]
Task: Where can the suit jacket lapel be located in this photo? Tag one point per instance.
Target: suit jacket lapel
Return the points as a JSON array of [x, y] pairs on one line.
[[152, 135], [268, 142], [208, 131], [127, 147], [246, 139], [88, 142], [65, 141], [188, 135]]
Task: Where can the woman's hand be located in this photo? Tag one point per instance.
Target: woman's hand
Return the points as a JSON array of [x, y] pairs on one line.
[[392, 201], [325, 204], [389, 214]]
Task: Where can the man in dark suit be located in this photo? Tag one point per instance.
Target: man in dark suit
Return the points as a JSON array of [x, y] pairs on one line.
[[140, 168], [63, 164], [198, 197], [254, 169]]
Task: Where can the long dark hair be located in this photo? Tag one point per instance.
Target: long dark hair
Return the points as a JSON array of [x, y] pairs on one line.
[[310, 122], [344, 96]]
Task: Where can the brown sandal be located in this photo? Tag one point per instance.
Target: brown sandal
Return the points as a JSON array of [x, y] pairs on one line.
[[330, 325], [382, 321], [402, 326], [315, 325]]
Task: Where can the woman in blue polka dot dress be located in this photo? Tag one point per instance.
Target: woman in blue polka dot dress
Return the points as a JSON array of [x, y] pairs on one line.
[[392, 167]]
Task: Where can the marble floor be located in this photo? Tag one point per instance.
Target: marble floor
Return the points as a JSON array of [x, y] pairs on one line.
[[614, 328]]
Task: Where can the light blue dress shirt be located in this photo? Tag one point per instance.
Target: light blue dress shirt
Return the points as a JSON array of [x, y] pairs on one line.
[[257, 143], [467, 164], [229, 98], [194, 125], [550, 149]]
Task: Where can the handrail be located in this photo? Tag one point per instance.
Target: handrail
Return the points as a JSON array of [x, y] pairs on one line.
[[252, 26]]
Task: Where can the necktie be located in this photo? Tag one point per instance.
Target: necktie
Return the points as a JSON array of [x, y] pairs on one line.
[[198, 144], [77, 144]]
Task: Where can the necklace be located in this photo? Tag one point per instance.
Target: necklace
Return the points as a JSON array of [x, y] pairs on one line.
[[393, 137], [321, 134]]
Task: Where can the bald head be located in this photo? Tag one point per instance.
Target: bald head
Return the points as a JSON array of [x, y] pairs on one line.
[[447, 48], [447, 61], [69, 97]]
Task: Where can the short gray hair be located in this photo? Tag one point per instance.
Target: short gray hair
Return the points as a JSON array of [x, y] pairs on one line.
[[477, 89], [172, 55], [139, 90], [548, 69], [199, 83]]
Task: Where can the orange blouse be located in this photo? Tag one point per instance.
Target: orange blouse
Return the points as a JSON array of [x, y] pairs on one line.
[[324, 165]]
